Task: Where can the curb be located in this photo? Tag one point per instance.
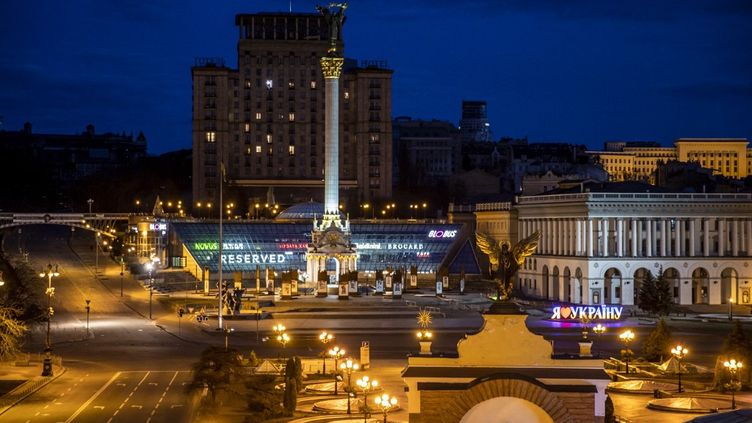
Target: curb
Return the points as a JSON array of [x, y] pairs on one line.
[[26, 389]]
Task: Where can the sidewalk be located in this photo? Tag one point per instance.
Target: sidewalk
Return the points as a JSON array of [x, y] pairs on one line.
[[22, 381]]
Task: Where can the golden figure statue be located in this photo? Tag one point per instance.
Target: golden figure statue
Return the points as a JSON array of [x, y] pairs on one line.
[[505, 261]]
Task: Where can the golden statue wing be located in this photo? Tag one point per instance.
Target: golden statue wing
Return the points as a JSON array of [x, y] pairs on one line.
[[526, 247], [488, 246]]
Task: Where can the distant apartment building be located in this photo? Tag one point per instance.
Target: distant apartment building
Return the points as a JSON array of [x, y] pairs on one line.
[[428, 152], [474, 123], [265, 120], [624, 161], [68, 158]]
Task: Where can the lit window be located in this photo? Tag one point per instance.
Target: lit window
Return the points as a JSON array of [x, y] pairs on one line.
[[249, 150], [258, 149], [313, 85], [347, 95], [248, 83], [268, 138], [291, 116], [291, 84], [269, 83], [291, 150], [211, 136], [258, 115], [247, 127]]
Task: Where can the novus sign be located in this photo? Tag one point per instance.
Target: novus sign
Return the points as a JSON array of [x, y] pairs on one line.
[[602, 312]]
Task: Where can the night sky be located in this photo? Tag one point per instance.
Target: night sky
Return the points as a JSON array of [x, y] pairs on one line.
[[574, 71]]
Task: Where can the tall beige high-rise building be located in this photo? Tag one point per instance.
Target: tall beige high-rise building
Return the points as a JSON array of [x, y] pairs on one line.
[[265, 119]]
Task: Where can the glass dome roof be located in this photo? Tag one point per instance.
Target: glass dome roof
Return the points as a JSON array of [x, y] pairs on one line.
[[303, 211]]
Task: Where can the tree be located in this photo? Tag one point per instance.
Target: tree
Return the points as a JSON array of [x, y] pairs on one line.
[[253, 361], [655, 295], [658, 343], [216, 370], [739, 347], [263, 399], [293, 374], [11, 332]]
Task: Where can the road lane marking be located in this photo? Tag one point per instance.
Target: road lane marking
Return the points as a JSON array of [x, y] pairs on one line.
[[92, 398], [101, 407], [167, 388], [137, 406]]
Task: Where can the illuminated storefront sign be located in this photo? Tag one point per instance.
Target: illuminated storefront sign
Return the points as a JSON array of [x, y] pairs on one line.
[[292, 245], [602, 312], [253, 258], [157, 226], [390, 246], [442, 234], [213, 246]]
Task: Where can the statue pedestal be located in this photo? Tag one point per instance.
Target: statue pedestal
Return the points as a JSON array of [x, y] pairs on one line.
[[585, 346]]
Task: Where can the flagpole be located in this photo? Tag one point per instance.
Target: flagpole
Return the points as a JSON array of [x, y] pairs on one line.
[[221, 212]]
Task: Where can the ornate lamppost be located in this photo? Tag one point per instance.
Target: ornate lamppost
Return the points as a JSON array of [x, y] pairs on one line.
[[348, 367], [386, 403], [324, 338], [336, 353], [626, 337], [679, 352], [49, 274], [366, 385], [733, 368]]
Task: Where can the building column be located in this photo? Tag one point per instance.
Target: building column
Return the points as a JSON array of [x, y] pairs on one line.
[[748, 236], [663, 237], [578, 242], [721, 237], [589, 238], [735, 237], [692, 238], [706, 237], [677, 238], [634, 237], [620, 237], [649, 229], [640, 228]]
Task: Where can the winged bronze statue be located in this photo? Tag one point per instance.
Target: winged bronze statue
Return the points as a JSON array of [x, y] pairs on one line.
[[504, 260]]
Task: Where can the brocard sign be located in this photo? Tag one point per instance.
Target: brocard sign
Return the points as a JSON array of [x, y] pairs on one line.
[[602, 312]]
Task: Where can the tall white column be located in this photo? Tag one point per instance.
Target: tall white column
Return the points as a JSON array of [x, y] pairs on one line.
[[640, 228], [692, 238], [634, 237], [650, 229], [620, 237], [663, 237], [735, 237], [604, 236], [578, 250], [589, 238], [331, 67], [748, 236], [721, 237]]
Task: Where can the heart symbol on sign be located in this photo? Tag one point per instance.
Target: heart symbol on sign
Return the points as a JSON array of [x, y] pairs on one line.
[[565, 312]]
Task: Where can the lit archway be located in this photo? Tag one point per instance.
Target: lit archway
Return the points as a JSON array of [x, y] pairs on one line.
[[612, 289], [504, 410], [566, 283], [729, 285], [700, 286], [639, 277], [555, 280], [546, 281], [671, 276]]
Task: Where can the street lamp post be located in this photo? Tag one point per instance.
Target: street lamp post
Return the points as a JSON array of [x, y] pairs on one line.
[[324, 337], [733, 368], [49, 274], [731, 309], [626, 337], [366, 385], [88, 309], [336, 354], [679, 352], [348, 367], [227, 337], [386, 403], [150, 269], [122, 270]]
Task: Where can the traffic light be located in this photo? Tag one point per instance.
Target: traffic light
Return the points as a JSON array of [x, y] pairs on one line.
[[180, 312]]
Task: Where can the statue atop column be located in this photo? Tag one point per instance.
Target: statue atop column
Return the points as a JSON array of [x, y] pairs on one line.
[[334, 14]]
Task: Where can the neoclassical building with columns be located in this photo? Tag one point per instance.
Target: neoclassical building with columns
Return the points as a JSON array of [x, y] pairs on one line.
[[598, 247]]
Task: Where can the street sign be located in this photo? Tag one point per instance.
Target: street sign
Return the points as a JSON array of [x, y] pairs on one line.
[[439, 288]]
